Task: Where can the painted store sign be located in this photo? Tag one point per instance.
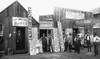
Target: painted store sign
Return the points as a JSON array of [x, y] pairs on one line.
[[74, 15], [19, 21]]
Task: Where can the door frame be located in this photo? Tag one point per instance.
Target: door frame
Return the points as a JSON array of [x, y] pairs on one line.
[[14, 42]]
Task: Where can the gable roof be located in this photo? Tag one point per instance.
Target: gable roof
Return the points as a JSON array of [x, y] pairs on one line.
[[18, 4]]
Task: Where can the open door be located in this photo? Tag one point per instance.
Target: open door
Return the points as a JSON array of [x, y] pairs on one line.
[[20, 40]]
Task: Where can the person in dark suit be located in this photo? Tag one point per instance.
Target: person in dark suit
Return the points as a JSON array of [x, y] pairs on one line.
[[44, 43], [78, 44], [66, 42]]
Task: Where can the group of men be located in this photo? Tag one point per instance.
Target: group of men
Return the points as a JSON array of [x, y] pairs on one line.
[[47, 43], [91, 41]]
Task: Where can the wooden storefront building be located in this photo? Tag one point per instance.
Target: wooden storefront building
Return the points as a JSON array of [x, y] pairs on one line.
[[74, 21], [9, 29]]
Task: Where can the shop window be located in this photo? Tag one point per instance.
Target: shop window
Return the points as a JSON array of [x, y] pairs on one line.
[[1, 33]]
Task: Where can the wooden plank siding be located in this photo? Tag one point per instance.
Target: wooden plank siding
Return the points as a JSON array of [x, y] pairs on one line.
[[14, 10], [60, 14]]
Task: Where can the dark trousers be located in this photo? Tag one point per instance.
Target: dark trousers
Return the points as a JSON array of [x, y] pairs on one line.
[[66, 46], [77, 47], [89, 46], [69, 45], [44, 47], [96, 48]]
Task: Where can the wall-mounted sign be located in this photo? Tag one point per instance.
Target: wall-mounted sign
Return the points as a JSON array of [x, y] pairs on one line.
[[46, 17], [84, 22], [74, 15], [60, 36], [46, 22], [19, 21], [56, 44], [46, 25]]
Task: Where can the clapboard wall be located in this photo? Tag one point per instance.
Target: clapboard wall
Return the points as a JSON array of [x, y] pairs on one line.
[[14, 10]]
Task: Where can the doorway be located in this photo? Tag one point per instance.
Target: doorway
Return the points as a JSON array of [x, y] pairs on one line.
[[45, 45], [75, 32], [43, 31], [20, 38]]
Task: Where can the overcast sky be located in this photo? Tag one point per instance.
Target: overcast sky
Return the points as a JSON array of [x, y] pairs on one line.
[[43, 7]]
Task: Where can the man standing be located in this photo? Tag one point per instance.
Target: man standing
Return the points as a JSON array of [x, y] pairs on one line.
[[50, 43], [88, 42], [44, 43], [69, 42], [66, 42], [78, 44], [96, 40]]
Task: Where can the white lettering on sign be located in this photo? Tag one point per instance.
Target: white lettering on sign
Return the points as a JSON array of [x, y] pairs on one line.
[[46, 17], [19, 21], [46, 25], [74, 15]]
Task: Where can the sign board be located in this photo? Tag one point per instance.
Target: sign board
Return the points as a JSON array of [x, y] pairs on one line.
[[29, 23], [74, 15], [20, 21], [46, 25], [60, 35], [33, 42], [46, 22], [56, 40], [46, 17]]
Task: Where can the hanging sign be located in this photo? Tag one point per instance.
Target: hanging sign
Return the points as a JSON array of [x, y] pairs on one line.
[[19, 21]]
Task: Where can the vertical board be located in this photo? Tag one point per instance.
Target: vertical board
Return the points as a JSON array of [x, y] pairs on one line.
[[60, 36], [34, 43], [56, 45]]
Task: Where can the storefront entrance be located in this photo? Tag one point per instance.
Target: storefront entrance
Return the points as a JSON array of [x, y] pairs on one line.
[[45, 45], [45, 31], [20, 39]]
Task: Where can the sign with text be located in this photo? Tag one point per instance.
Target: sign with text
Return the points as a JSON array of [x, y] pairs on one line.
[[46, 25], [46, 17], [74, 15], [31, 41], [60, 34], [20, 21], [29, 23], [56, 41]]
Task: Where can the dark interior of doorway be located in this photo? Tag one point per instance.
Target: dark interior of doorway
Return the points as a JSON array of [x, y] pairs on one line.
[[43, 31], [46, 32], [20, 38]]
